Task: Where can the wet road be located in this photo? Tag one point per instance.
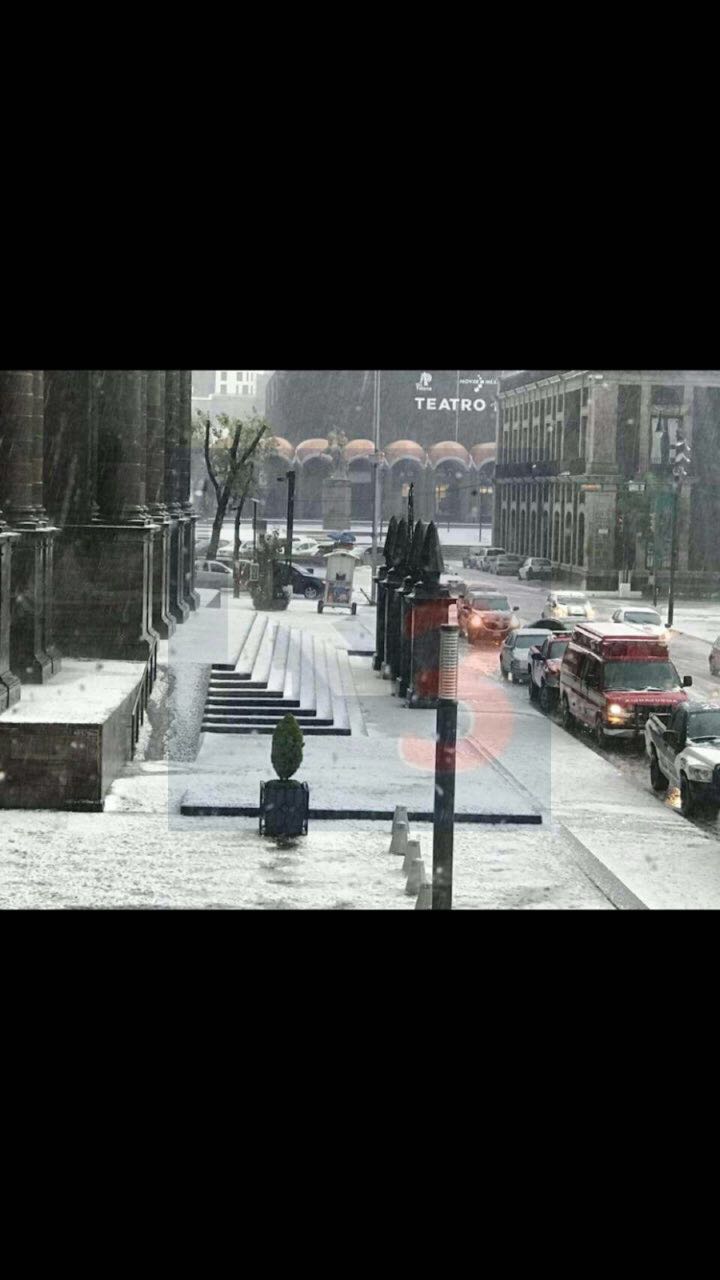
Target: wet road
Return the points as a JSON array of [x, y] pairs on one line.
[[689, 654]]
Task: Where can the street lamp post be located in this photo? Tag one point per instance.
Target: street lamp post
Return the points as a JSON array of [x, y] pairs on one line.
[[376, 459]]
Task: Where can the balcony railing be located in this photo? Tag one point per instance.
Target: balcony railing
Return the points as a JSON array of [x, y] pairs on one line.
[[540, 470]]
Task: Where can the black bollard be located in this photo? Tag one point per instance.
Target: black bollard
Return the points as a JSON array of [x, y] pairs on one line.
[[379, 658], [393, 583], [407, 602], [430, 610]]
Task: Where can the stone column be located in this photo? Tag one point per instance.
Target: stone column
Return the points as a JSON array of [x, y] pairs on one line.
[[105, 554], [190, 595], [162, 620], [33, 655], [9, 683], [179, 607]]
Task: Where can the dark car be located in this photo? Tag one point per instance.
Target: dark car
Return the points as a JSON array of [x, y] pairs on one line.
[[346, 538], [305, 583], [715, 658], [548, 624], [545, 662]]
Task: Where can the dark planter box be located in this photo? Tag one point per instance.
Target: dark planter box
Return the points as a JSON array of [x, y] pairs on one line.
[[284, 808]]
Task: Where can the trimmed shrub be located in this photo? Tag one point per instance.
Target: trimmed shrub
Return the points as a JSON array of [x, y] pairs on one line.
[[287, 748]]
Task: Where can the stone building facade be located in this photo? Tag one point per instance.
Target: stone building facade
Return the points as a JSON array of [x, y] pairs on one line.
[[437, 432], [584, 473], [97, 529]]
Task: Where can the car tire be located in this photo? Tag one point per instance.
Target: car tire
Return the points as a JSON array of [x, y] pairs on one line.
[[658, 781], [688, 803], [599, 734], [311, 593], [545, 699], [503, 672], [533, 690], [568, 719], [321, 606]]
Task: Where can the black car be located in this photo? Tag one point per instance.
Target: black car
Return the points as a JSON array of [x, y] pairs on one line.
[[304, 581], [549, 624]]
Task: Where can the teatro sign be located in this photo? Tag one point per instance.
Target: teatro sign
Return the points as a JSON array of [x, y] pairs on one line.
[[453, 404]]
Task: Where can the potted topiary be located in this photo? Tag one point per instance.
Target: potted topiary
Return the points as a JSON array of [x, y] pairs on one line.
[[284, 804]]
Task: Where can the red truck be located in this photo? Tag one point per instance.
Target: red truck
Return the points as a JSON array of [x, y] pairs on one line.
[[612, 679]]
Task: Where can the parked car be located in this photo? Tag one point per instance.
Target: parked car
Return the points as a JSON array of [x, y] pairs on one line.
[[535, 567], [306, 583], [568, 604], [486, 617], [212, 573], [613, 678], [491, 554], [506, 563], [515, 654], [474, 559], [684, 749], [545, 662], [715, 658], [645, 618], [306, 547]]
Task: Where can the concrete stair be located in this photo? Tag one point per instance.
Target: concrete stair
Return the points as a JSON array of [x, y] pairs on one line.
[[280, 670]]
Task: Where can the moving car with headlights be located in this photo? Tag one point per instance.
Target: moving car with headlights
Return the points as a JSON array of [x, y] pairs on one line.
[[507, 563], [515, 654], [535, 567], [684, 750], [715, 658], [613, 678], [545, 662], [568, 604], [643, 617], [486, 617]]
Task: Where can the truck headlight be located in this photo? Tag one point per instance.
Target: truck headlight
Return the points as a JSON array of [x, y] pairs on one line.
[[699, 773], [616, 712]]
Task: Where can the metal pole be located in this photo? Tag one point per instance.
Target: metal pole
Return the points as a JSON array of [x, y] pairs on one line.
[[290, 521], [457, 409], [376, 504], [673, 554], [411, 510], [445, 764], [255, 507]]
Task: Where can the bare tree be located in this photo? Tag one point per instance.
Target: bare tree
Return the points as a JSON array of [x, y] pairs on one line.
[[231, 448]]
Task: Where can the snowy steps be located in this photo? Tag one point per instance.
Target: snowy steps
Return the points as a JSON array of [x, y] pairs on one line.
[[281, 670]]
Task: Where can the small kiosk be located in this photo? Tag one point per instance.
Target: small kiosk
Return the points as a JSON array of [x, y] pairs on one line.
[[341, 567]]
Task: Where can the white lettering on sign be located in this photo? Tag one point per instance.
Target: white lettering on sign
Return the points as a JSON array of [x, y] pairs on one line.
[[603, 532], [451, 405]]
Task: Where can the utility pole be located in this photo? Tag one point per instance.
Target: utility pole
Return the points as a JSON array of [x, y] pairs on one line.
[[376, 496], [681, 464], [290, 521]]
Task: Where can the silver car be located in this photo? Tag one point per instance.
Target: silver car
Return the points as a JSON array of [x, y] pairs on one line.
[[211, 573], [515, 654]]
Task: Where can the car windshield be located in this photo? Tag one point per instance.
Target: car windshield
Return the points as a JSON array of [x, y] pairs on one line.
[[706, 724], [541, 564], [648, 617], [525, 642], [641, 677], [571, 597], [490, 604], [557, 648]]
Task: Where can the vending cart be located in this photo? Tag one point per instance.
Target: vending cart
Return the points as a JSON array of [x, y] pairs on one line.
[[341, 567]]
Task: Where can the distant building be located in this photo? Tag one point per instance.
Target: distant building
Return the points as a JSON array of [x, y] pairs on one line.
[[437, 431], [238, 392], [584, 473]]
